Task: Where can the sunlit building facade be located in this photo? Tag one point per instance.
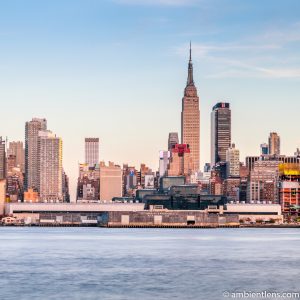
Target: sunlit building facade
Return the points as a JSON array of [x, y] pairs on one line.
[[190, 119], [181, 161], [91, 151], [50, 168], [274, 144], [32, 129], [110, 181]]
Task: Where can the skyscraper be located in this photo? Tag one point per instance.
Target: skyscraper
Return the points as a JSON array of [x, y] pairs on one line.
[[220, 132], [190, 118], [32, 129], [274, 144], [233, 161], [16, 149], [264, 149], [110, 181], [263, 181], [2, 196], [164, 157], [181, 161], [173, 140], [50, 166], [88, 184], [2, 159], [91, 151]]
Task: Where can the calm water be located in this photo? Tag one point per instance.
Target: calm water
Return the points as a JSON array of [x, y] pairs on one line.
[[100, 263]]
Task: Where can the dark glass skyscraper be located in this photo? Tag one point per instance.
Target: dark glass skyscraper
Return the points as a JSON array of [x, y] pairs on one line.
[[220, 132]]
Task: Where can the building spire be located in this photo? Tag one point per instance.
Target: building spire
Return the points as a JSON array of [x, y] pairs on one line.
[[190, 79]]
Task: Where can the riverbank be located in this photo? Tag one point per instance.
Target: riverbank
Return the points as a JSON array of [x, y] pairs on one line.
[[157, 226], [271, 226]]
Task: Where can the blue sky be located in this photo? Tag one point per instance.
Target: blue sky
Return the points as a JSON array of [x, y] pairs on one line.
[[117, 69]]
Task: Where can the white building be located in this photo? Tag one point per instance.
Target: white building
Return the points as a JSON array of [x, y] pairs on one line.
[[256, 212], [164, 159], [233, 161]]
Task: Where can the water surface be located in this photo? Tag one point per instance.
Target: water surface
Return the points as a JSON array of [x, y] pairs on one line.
[[102, 263]]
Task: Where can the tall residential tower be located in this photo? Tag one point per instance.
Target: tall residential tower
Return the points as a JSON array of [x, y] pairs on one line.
[[190, 118], [274, 144], [2, 159], [50, 166], [32, 129]]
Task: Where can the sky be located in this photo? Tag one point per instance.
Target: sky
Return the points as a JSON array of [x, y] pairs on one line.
[[116, 69]]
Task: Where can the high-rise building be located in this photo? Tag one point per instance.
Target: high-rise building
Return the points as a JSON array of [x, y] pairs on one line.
[[215, 183], [65, 187], [250, 160], [220, 132], [2, 159], [91, 151], [190, 118], [181, 161], [289, 189], [173, 140], [17, 149], [145, 176], [264, 149], [207, 167], [263, 181], [129, 180], [15, 180], [2, 196], [233, 161], [274, 144], [50, 168], [32, 129], [164, 158], [88, 184], [231, 188], [110, 181]]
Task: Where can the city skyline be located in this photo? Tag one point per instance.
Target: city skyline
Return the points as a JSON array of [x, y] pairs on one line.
[[41, 82], [151, 144]]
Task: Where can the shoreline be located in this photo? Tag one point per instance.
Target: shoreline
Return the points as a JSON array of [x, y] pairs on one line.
[[157, 226]]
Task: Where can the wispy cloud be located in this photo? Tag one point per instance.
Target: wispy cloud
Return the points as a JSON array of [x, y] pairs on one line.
[[202, 50], [282, 35], [269, 55], [239, 70], [157, 2]]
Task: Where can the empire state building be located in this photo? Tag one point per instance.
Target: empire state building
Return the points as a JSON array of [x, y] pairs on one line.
[[190, 118]]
